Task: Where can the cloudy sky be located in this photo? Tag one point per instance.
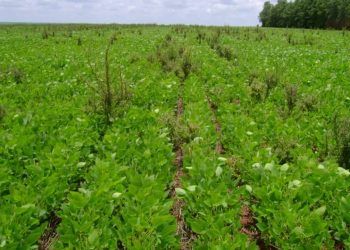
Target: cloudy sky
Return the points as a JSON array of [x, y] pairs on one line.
[[207, 12]]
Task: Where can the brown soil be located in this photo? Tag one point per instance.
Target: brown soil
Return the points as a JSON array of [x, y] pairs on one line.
[[180, 107], [247, 220], [249, 228], [339, 245], [183, 231], [50, 233], [179, 156], [248, 223], [219, 148], [217, 125]]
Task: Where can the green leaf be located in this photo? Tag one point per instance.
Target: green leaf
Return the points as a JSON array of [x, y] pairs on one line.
[[192, 188], [249, 188], [218, 171], [320, 211], [285, 167], [116, 195], [222, 159], [93, 236], [199, 226], [81, 164], [180, 191]]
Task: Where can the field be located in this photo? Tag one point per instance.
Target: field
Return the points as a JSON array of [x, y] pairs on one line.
[[174, 137]]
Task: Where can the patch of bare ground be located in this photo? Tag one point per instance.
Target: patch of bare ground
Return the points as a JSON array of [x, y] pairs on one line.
[[247, 220], [50, 234], [219, 148], [183, 231], [339, 245]]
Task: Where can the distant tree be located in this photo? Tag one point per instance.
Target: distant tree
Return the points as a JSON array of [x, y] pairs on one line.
[[306, 14], [265, 14]]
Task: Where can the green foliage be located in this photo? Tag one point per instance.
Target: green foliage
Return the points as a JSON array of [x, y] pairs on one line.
[[306, 14], [309, 103], [291, 93], [79, 41], [283, 149], [289, 38], [17, 75], [45, 34], [110, 94], [112, 184], [179, 131], [342, 136], [214, 39], [260, 90], [175, 58], [201, 36], [257, 90], [226, 52], [2, 112], [271, 81], [186, 65], [113, 39]]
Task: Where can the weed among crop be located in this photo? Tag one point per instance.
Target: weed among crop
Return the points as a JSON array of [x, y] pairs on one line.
[[79, 41], [2, 112], [257, 90], [225, 52], [180, 132], [200, 36], [3, 74], [167, 58], [45, 34], [69, 34], [186, 65], [168, 38], [214, 40], [289, 38], [309, 103], [174, 58], [107, 94], [308, 40], [252, 76], [341, 130], [262, 36], [345, 32], [283, 150], [17, 75], [151, 58], [271, 81], [134, 58], [112, 93], [291, 96], [113, 39]]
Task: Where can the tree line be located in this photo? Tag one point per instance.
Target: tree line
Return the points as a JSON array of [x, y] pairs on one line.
[[306, 14]]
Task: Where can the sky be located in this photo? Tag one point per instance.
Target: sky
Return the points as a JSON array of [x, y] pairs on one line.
[[203, 12]]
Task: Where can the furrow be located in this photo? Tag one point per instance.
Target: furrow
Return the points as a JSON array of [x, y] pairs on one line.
[[183, 231]]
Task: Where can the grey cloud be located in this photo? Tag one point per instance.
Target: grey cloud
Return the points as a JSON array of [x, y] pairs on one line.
[[208, 12], [175, 4], [10, 4], [229, 2]]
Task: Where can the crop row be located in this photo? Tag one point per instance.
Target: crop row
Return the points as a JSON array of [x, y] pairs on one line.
[[173, 137], [297, 194]]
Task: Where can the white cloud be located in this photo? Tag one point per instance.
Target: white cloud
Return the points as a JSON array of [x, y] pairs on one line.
[[207, 12]]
